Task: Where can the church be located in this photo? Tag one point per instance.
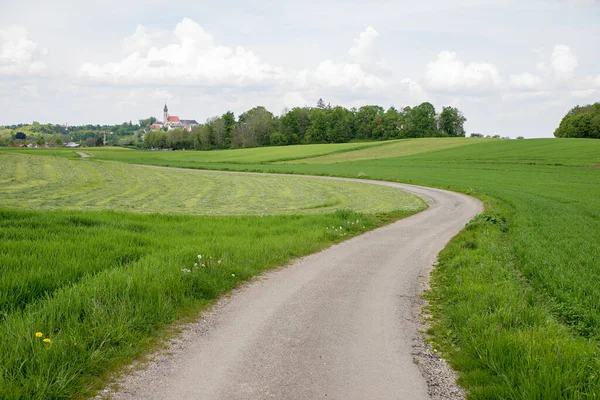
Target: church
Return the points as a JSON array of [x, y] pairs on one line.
[[173, 121]]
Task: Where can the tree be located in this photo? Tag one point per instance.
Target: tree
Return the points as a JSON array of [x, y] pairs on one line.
[[392, 122], [155, 140], [229, 122], [321, 104], [317, 131], [580, 122], [20, 136], [91, 142], [451, 122], [278, 139], [144, 123], [369, 122], [258, 125], [295, 123], [423, 120], [339, 126]]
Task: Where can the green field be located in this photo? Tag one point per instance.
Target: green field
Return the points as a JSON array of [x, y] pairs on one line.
[[191, 159], [396, 148], [51, 183], [514, 299], [102, 285]]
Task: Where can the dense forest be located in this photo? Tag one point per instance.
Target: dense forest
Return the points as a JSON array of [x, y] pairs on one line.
[[257, 127], [580, 122]]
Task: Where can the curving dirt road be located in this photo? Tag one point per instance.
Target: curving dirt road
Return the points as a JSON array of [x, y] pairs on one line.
[[337, 324]]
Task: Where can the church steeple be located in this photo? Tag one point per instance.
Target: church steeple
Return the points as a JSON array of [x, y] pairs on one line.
[[166, 114]]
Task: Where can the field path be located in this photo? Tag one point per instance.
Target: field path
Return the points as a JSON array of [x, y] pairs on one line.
[[338, 324]]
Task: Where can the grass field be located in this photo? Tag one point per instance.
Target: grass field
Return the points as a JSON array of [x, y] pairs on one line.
[[102, 285], [396, 148], [191, 159], [53, 183], [515, 297]]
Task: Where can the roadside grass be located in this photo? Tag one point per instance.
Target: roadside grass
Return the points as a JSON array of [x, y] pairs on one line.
[[515, 298], [52, 183], [102, 286]]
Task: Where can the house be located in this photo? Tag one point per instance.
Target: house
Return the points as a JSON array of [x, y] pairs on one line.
[[173, 121], [72, 145]]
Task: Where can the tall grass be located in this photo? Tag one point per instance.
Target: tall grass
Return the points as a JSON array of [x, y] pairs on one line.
[[101, 285]]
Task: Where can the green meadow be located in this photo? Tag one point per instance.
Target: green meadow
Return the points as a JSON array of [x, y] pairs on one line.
[[52, 183], [190, 159], [514, 300], [100, 258]]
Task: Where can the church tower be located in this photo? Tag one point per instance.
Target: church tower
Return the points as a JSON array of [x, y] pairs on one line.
[[166, 114]]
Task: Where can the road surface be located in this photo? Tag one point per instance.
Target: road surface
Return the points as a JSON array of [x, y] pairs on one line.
[[338, 324]]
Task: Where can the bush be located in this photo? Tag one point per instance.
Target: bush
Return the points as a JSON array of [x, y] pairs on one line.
[[278, 139]]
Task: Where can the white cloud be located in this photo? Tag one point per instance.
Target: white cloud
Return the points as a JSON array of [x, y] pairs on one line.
[[161, 94], [536, 95], [583, 93], [294, 99], [564, 62], [447, 73], [193, 59], [18, 54], [140, 41], [383, 64], [351, 76], [525, 81], [31, 90], [415, 90], [596, 81], [362, 44]]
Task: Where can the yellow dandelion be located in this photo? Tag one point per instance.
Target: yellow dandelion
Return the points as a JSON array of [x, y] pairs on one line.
[[39, 334], [47, 340]]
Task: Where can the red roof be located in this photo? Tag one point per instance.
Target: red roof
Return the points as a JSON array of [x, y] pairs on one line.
[[173, 118]]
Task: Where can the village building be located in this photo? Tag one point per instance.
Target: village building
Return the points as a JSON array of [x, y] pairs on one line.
[[173, 121]]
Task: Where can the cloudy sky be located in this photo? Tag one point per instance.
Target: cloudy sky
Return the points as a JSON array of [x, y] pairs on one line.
[[513, 67]]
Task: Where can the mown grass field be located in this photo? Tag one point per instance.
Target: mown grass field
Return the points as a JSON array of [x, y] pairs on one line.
[[52, 183], [515, 298]]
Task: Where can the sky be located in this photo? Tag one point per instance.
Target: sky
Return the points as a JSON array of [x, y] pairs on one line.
[[513, 67]]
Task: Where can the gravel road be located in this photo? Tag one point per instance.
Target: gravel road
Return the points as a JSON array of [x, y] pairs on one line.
[[339, 324]]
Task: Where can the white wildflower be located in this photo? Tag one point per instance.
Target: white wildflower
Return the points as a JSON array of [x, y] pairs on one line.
[[195, 264], [199, 257], [233, 275], [185, 270], [219, 262]]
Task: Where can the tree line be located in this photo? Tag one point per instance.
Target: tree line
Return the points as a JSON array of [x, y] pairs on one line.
[[580, 122], [303, 125], [127, 133]]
